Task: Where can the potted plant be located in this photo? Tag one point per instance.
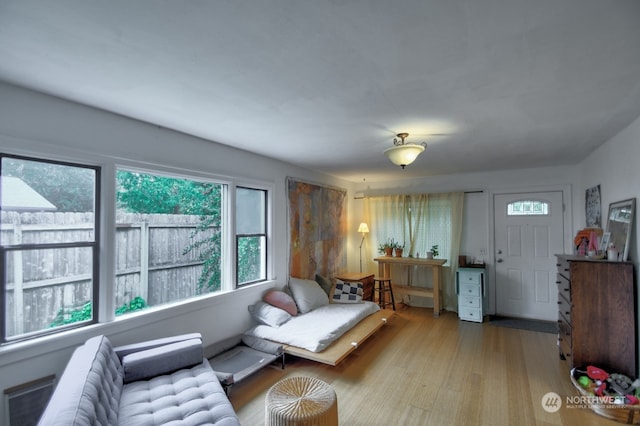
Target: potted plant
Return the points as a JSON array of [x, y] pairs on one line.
[[433, 252], [387, 247], [399, 248]]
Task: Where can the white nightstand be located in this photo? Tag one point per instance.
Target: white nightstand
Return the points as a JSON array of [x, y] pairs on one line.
[[470, 288]]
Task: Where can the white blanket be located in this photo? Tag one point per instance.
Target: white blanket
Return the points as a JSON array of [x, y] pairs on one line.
[[316, 330]]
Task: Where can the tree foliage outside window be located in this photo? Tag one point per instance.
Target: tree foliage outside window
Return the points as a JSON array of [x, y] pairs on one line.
[[70, 189], [153, 194]]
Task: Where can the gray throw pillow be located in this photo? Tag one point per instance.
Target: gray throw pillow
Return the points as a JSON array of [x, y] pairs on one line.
[[325, 283]]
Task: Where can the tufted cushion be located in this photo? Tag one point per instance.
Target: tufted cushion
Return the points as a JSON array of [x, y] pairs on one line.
[[186, 397], [89, 389]]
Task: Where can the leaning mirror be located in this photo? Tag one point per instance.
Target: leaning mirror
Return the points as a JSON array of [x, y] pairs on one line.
[[619, 224]]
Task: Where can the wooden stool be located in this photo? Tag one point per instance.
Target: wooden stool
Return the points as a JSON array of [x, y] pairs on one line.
[[301, 401], [384, 285]]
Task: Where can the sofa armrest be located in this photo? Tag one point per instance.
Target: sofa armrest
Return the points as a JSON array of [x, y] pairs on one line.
[[262, 345], [161, 360], [125, 350]]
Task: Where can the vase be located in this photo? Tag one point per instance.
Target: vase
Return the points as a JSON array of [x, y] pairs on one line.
[[429, 255]]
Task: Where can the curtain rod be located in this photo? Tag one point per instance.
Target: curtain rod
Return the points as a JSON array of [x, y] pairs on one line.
[[477, 191]]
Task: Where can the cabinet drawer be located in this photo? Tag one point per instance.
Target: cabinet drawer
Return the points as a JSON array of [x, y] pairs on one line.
[[470, 314], [468, 277], [469, 290], [468, 302]]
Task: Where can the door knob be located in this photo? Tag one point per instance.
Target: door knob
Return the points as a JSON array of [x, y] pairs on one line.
[[499, 251]]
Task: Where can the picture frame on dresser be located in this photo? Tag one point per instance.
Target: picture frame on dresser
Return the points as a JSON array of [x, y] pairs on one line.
[[619, 225]]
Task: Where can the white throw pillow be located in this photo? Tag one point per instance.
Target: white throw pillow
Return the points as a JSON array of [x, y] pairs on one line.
[[347, 292], [268, 314], [308, 294]]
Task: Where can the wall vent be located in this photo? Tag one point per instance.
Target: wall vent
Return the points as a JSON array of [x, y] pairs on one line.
[[25, 403]]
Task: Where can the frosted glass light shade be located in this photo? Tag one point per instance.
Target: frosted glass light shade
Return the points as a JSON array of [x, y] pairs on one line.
[[363, 228], [403, 155]]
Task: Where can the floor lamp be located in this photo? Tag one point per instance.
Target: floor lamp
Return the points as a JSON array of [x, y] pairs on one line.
[[364, 229]]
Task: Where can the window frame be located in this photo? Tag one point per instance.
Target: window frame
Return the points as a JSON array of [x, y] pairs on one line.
[[95, 256], [225, 225], [104, 268], [265, 234], [512, 213]]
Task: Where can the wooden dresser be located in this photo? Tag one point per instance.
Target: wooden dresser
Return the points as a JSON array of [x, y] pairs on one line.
[[597, 315]]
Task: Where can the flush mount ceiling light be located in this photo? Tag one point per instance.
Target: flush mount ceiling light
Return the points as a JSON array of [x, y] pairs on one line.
[[403, 153]]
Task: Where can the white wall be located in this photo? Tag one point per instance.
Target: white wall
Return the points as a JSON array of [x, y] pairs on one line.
[[614, 166], [40, 125]]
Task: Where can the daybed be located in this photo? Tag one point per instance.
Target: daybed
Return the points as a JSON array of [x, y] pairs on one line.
[[150, 383], [312, 327]]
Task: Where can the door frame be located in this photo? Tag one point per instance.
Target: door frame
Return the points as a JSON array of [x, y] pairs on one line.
[[567, 200]]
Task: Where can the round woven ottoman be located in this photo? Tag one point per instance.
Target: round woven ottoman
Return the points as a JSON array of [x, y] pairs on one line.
[[301, 401]]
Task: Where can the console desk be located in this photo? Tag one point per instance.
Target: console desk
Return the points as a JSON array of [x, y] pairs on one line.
[[384, 270]]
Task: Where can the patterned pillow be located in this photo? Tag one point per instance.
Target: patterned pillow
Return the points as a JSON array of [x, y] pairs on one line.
[[347, 292]]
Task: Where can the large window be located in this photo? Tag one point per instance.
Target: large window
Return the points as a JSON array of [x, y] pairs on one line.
[[48, 245], [173, 241], [169, 239], [419, 222], [251, 235]]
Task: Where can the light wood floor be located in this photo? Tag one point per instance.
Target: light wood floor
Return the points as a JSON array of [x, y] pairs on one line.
[[420, 370]]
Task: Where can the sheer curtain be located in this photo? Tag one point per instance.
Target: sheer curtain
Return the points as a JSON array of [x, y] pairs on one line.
[[419, 221]]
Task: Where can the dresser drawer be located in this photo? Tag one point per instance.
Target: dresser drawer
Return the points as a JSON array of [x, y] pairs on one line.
[[564, 307], [469, 290], [469, 314], [469, 277], [563, 267], [564, 338], [468, 302], [564, 285]]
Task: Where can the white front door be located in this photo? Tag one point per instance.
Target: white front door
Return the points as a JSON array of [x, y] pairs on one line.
[[528, 234]]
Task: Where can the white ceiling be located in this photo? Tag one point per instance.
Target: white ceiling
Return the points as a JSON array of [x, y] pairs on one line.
[[326, 84]]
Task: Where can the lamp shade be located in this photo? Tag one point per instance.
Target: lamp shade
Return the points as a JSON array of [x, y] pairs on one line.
[[402, 155], [364, 228]]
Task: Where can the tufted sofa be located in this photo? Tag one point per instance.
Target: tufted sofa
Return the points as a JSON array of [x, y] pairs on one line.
[[163, 381]]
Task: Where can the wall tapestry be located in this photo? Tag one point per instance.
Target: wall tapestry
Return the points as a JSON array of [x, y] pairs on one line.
[[593, 211], [317, 228]]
